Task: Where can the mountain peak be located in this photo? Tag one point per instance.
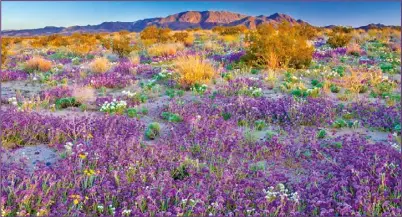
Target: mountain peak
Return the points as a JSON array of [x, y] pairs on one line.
[[179, 21]]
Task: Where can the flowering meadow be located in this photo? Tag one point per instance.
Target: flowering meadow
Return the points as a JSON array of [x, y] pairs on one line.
[[267, 122]]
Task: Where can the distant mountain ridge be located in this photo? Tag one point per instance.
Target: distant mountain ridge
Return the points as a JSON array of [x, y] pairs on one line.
[[179, 21]]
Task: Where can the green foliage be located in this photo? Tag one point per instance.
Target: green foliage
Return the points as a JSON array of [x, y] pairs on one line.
[[321, 134], [66, 102], [226, 116], [334, 88], [338, 145], [340, 70], [180, 173], [152, 131], [171, 117], [260, 125], [132, 112], [259, 166], [339, 123], [199, 89], [255, 71], [384, 87]]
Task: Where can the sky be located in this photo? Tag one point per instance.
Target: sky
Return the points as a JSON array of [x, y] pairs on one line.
[[29, 15]]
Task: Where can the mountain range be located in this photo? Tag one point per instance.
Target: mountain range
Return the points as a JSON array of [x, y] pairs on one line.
[[179, 21]]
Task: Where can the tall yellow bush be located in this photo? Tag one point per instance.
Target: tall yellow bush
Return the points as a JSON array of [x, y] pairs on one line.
[[165, 49], [193, 70], [38, 63], [100, 65]]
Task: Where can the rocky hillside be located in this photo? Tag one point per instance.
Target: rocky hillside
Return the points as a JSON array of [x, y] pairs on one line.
[[180, 21]]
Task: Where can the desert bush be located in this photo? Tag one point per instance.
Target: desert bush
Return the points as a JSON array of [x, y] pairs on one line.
[[165, 49], [353, 49], [38, 63], [100, 65], [134, 58], [309, 31], [339, 37], [189, 40], [180, 36], [285, 46], [66, 102], [153, 130], [3, 53], [121, 46], [193, 70], [229, 30], [153, 33], [84, 95]]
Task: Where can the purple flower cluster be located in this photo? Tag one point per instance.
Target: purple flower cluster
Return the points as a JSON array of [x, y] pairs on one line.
[[147, 71], [56, 93], [124, 67], [321, 55], [228, 58], [204, 166], [110, 80], [13, 75], [376, 115], [236, 86], [68, 72], [64, 61]]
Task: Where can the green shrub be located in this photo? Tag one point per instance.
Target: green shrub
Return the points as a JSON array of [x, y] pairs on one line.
[[260, 125], [66, 102], [321, 134], [259, 166], [152, 131], [132, 112], [226, 116], [334, 88], [171, 117], [180, 173]]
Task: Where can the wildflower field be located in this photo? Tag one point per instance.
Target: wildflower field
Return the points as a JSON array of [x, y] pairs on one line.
[[277, 121]]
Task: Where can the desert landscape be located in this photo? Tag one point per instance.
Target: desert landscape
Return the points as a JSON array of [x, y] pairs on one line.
[[202, 113]]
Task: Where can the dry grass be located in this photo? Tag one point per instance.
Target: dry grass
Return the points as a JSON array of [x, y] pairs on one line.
[[353, 48], [165, 49], [84, 95], [230, 38], [272, 60], [134, 58], [354, 81], [38, 63], [375, 77], [192, 70], [100, 65], [271, 78], [189, 40]]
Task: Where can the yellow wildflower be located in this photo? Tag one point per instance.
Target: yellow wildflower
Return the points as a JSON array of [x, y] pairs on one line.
[[42, 212], [76, 198], [89, 172], [82, 156], [76, 201]]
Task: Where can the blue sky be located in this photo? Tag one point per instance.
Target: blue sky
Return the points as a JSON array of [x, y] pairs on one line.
[[26, 15]]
